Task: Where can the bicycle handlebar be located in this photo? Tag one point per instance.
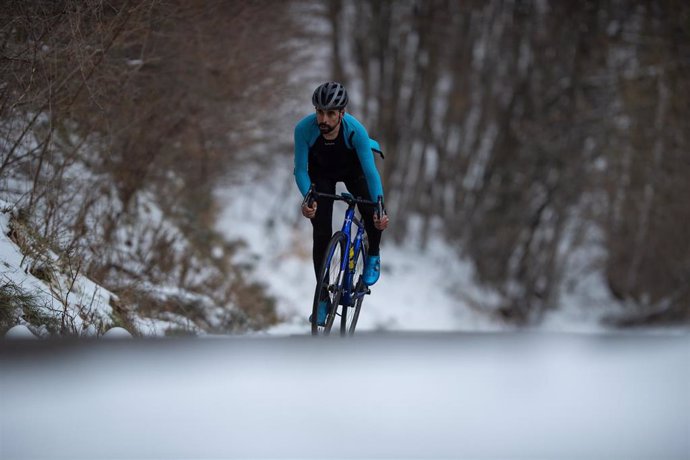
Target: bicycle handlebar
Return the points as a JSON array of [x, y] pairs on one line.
[[346, 197]]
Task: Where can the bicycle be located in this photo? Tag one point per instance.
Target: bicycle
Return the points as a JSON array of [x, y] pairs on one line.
[[340, 277]]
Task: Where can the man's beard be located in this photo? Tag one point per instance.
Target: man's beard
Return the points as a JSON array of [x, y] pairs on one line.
[[325, 128]]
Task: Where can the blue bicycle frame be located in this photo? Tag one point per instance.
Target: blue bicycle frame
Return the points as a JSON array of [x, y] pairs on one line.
[[352, 249]]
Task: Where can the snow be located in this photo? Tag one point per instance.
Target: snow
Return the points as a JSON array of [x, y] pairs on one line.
[[76, 297], [423, 287], [393, 392], [19, 332], [384, 395], [117, 333], [416, 288]]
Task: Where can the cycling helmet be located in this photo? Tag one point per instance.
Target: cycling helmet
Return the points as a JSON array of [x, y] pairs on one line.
[[330, 96]]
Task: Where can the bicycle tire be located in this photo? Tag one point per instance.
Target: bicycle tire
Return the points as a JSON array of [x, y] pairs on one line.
[[356, 309], [329, 283], [350, 315]]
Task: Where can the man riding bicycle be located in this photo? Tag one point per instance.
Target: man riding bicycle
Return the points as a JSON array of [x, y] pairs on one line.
[[333, 146]]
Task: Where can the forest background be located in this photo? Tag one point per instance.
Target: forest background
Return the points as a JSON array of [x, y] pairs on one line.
[[523, 130]]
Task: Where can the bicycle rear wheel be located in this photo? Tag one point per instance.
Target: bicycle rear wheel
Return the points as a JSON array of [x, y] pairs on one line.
[[350, 315], [329, 284], [352, 324]]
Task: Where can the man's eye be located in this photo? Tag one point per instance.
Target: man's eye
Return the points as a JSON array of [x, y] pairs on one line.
[[331, 113]]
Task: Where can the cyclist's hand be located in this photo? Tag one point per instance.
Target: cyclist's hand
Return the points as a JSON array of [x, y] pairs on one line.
[[309, 212], [382, 223]]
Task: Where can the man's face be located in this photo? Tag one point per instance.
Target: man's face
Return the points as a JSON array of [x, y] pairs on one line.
[[328, 119]]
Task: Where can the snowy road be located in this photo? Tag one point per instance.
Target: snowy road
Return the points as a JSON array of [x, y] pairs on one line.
[[475, 396]]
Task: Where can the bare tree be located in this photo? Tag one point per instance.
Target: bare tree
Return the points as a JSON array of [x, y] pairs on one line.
[[508, 121], [112, 113]]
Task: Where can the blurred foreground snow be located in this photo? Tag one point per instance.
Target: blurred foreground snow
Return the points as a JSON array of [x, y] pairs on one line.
[[475, 396]]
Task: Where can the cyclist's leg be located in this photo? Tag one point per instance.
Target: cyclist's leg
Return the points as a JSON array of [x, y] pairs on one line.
[[322, 222], [357, 186]]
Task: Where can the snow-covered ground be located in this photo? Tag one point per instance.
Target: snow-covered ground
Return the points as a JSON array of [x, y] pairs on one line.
[[79, 304], [428, 289], [524, 396], [394, 392]]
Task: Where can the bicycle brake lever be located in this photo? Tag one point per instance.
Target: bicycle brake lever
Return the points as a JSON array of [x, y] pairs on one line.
[[379, 207], [309, 197]]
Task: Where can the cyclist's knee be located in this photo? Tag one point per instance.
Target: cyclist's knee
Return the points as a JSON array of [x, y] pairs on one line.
[[322, 234]]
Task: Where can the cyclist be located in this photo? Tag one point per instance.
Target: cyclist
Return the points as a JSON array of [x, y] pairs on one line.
[[333, 146]]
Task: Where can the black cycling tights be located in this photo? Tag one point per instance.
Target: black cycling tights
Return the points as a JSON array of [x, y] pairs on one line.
[[322, 222]]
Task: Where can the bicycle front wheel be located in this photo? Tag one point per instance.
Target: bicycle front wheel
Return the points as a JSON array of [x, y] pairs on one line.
[[329, 284]]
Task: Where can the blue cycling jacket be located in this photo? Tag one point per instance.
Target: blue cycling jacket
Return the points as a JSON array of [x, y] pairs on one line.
[[356, 137]]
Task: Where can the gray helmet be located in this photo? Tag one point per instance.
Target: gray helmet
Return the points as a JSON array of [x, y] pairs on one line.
[[330, 96]]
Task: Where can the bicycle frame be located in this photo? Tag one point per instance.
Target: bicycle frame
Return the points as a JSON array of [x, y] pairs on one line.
[[353, 246], [352, 249]]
